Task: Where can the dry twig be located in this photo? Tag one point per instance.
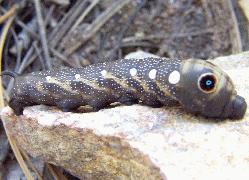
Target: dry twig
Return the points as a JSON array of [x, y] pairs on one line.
[[67, 22], [126, 27], [8, 14], [55, 172], [42, 32], [82, 17], [25, 155], [96, 25], [20, 23]]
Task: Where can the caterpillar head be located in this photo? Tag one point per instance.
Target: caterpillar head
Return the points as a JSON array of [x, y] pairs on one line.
[[207, 90]]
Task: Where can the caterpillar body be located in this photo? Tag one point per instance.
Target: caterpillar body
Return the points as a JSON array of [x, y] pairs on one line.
[[199, 86]]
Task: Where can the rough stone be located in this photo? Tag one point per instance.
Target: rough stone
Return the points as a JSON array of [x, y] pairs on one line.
[[61, 2], [139, 142]]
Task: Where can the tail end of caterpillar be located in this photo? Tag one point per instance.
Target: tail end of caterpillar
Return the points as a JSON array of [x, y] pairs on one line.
[[9, 73]]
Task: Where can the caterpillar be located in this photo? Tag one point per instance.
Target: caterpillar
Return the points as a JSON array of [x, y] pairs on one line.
[[199, 86]]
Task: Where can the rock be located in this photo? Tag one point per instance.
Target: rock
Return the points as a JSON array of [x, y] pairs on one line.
[[61, 2], [140, 54], [139, 142]]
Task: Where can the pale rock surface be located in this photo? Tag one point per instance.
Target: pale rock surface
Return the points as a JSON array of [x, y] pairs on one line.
[[61, 2], [139, 142]]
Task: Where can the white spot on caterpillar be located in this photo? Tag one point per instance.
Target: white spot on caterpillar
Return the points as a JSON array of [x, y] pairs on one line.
[[152, 74], [103, 72], [174, 77], [77, 76], [48, 78], [133, 72]]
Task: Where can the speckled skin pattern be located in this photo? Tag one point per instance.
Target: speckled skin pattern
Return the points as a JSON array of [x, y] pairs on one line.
[[150, 81]]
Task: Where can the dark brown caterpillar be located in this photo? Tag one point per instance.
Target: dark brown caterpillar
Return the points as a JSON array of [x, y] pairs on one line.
[[199, 86]]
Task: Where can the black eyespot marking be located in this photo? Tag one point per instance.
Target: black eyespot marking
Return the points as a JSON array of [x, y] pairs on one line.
[[207, 83]]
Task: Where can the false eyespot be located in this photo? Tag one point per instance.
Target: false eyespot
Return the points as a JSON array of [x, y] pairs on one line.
[[207, 83]]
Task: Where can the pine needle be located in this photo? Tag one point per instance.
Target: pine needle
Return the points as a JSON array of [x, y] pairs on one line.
[[8, 14]]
